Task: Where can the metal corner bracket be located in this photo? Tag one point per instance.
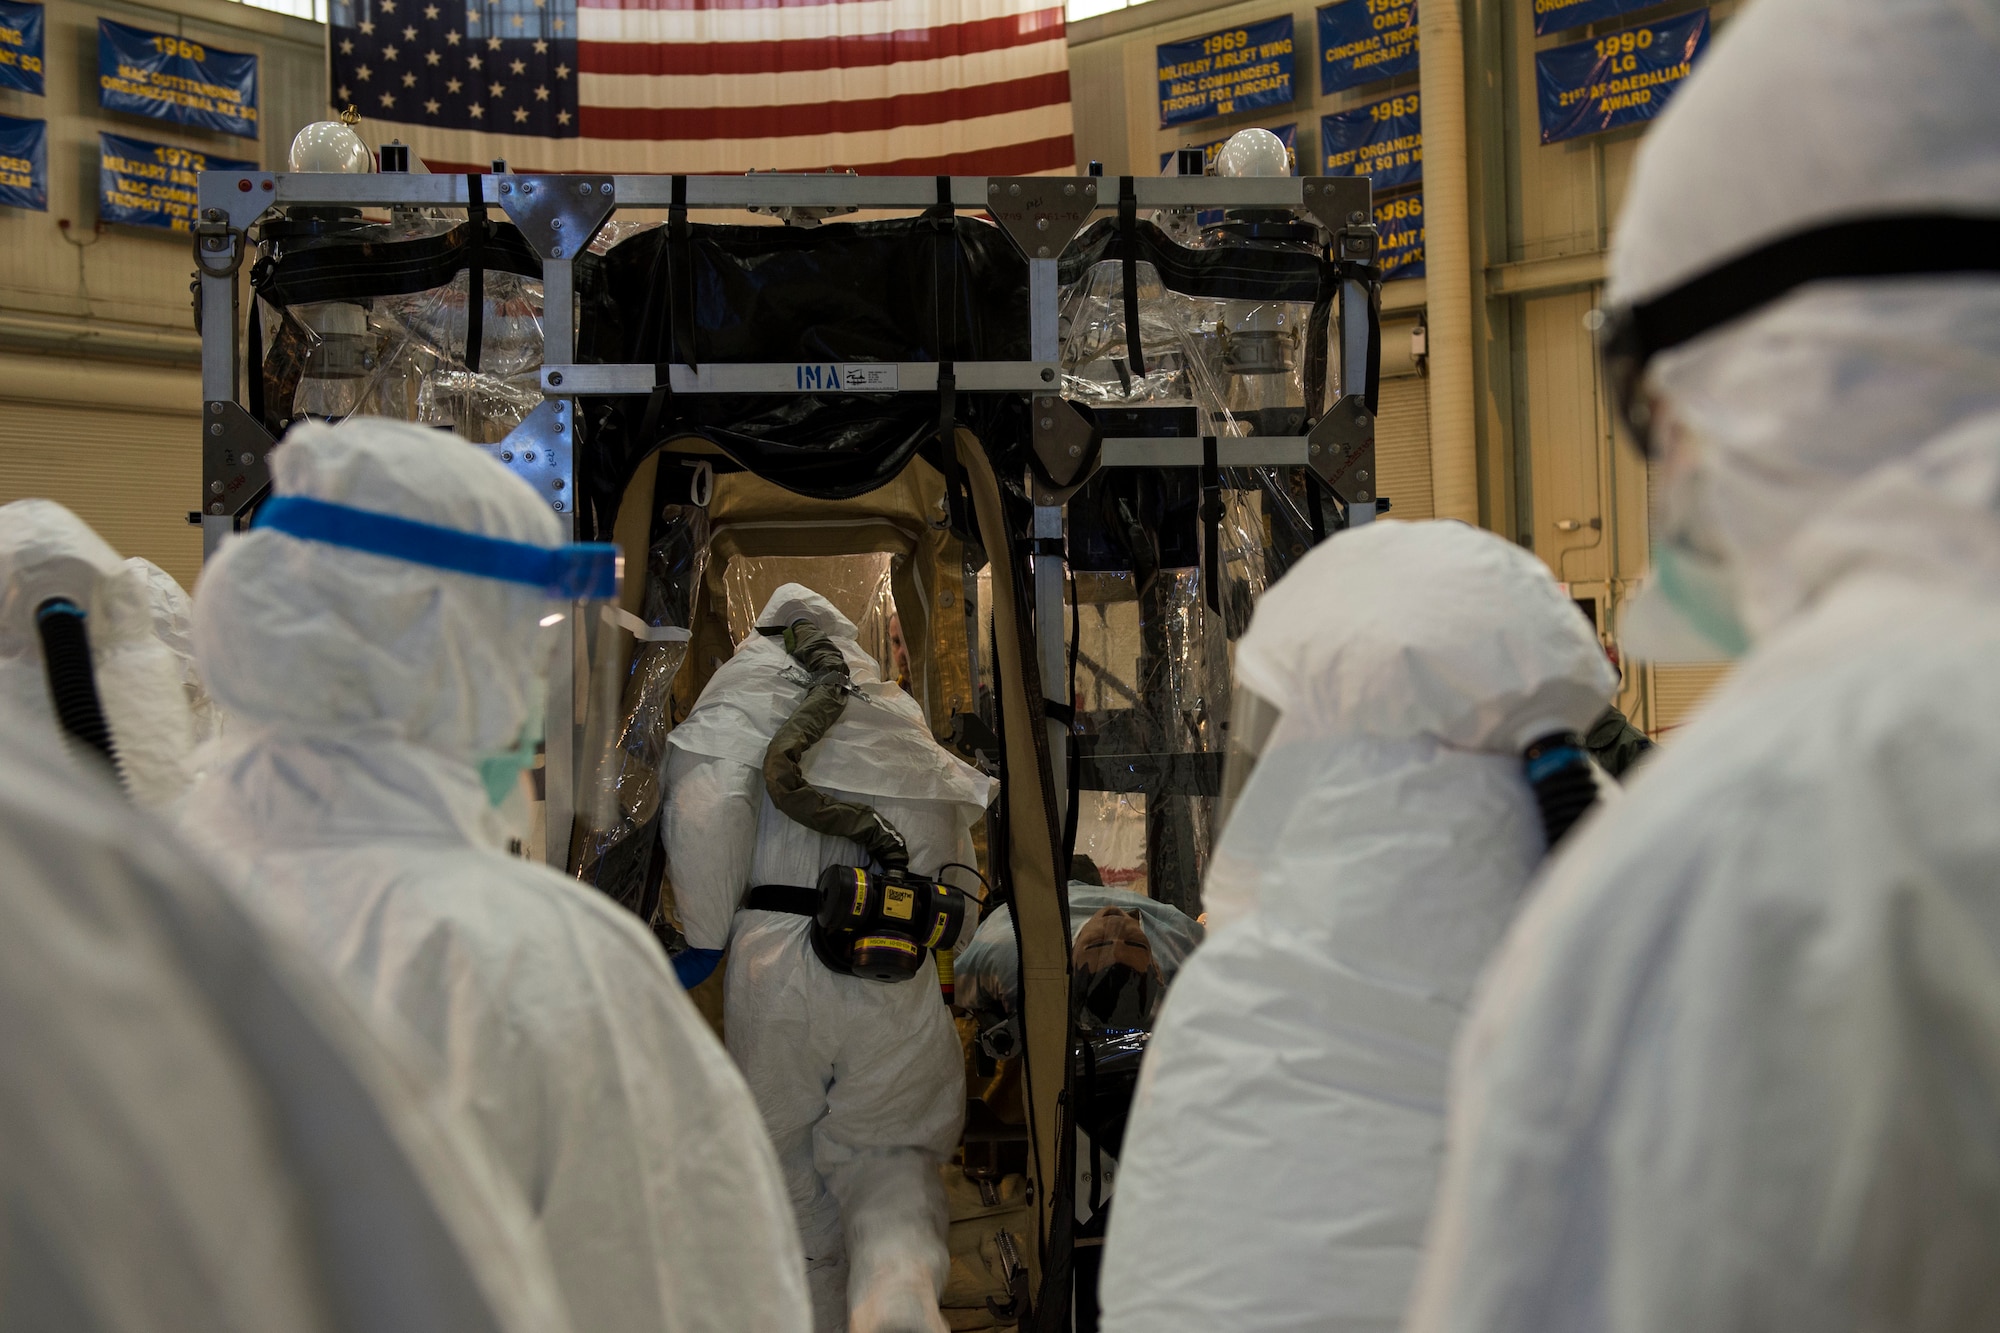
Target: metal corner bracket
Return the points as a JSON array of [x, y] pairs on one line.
[[1065, 449], [1340, 449], [1042, 213], [235, 460], [558, 215], [538, 451]]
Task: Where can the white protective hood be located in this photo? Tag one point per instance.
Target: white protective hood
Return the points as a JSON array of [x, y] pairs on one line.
[[879, 747], [46, 551], [1832, 109], [1397, 632], [1283, 1146], [1737, 1066], [173, 625], [315, 640], [347, 799]]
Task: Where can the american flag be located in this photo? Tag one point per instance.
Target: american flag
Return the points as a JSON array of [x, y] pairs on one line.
[[891, 87]]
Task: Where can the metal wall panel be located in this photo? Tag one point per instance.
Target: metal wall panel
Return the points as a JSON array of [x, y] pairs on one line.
[[130, 473], [1403, 445]]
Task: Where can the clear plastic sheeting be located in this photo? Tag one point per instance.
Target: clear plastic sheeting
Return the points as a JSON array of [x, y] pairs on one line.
[[859, 585], [1240, 364], [618, 830], [404, 357], [1152, 695], [1096, 350]]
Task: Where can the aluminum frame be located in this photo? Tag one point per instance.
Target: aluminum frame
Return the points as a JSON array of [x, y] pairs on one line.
[[559, 215]]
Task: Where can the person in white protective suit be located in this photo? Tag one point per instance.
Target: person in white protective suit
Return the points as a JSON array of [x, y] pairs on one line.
[[124, 684], [195, 1129], [380, 641], [860, 1082], [1410, 695], [173, 625], [1737, 1066]]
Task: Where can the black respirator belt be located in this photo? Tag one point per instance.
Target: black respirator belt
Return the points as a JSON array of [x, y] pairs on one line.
[[787, 898]]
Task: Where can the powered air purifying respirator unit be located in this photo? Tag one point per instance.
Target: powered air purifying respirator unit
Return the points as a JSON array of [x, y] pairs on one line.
[[876, 923]]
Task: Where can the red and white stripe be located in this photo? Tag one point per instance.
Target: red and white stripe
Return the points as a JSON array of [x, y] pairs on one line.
[[887, 87]]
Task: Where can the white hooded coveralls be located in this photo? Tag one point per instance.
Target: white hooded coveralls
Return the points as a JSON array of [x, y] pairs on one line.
[[347, 800], [1282, 1150], [142, 673], [1737, 1067], [861, 1083], [195, 1129]]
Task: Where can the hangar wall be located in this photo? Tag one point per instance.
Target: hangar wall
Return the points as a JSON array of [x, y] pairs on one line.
[[1552, 474], [100, 389]]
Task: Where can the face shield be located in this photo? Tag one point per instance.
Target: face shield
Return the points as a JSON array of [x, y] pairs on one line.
[[576, 574], [1252, 719]]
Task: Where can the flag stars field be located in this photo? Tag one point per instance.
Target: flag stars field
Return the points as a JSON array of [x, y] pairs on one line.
[[953, 86]]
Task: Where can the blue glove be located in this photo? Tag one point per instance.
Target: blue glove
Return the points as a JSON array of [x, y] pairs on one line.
[[693, 966]]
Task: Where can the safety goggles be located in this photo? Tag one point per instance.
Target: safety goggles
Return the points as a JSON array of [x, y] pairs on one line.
[[1252, 719], [579, 571], [1887, 246]]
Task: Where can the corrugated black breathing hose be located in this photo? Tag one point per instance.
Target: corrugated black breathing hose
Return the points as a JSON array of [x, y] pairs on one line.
[[72, 679], [1558, 768], [784, 779]]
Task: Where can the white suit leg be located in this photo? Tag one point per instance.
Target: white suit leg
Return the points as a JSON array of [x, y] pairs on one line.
[[768, 1019], [895, 1108]]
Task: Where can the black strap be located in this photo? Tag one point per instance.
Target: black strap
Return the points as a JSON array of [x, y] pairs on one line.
[[393, 268], [680, 300], [1219, 273], [957, 494], [1211, 523], [1891, 246], [253, 370], [1316, 508], [1063, 713], [1128, 227], [1318, 327], [789, 898], [475, 271], [679, 341], [1055, 546]]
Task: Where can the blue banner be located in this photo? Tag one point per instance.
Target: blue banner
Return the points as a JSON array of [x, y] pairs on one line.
[[21, 47], [1401, 222], [1383, 141], [152, 184], [1622, 78], [1557, 15], [24, 164], [164, 77], [1361, 41], [1238, 69]]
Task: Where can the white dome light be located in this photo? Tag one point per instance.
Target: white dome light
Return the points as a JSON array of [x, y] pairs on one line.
[[1254, 153]]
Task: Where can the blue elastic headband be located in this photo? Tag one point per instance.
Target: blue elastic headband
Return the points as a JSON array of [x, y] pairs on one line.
[[580, 571]]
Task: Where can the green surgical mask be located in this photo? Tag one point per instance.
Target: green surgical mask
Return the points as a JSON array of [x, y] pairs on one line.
[[1702, 594], [501, 771]]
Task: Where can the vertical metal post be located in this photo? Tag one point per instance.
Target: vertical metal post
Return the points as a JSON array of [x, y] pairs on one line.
[[562, 760], [1354, 345], [221, 324], [1050, 618], [558, 215]]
